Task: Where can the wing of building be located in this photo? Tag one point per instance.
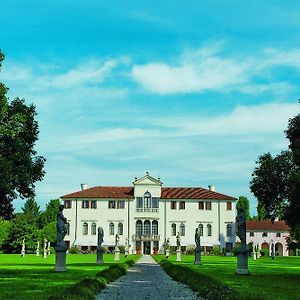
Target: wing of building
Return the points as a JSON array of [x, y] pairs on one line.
[[147, 214]]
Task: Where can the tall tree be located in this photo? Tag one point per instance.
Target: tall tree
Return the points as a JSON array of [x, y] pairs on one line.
[[50, 214], [20, 167], [243, 203], [32, 210]]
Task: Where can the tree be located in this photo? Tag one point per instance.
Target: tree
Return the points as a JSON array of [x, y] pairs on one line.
[[4, 231], [20, 167], [50, 214], [243, 203], [32, 210]]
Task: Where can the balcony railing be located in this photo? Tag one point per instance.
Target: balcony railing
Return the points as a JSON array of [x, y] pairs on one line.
[[147, 209], [146, 237]]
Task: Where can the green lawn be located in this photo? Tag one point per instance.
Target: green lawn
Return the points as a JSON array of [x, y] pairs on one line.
[[268, 279], [32, 277]]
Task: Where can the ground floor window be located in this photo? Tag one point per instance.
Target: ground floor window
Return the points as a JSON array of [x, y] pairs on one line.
[[228, 246]]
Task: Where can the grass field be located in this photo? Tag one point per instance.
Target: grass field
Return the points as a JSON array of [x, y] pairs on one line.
[[268, 279], [32, 277]]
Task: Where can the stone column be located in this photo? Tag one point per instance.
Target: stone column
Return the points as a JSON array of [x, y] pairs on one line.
[[37, 252], [117, 253], [48, 248], [45, 249], [242, 260], [178, 254], [99, 255], [198, 256], [151, 247], [142, 247], [23, 248]]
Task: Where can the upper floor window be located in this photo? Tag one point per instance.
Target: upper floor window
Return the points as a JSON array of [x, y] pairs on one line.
[[111, 204], [251, 233], [208, 205], [201, 205], [93, 228], [85, 204], [278, 234], [155, 202], [121, 204], [229, 230], [120, 228], [182, 205], [173, 229], [200, 226], [139, 227], [264, 234], [94, 204], [154, 227], [139, 202], [111, 228], [67, 228], [147, 200], [208, 229], [173, 204], [85, 228], [228, 205], [68, 204], [182, 229]]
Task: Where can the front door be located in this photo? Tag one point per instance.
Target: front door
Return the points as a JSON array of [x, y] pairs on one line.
[[147, 247]]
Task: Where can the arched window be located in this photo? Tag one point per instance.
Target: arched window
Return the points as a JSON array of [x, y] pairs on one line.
[[208, 230], [182, 229], [85, 228], [147, 227], [147, 200], [154, 227], [120, 228], [229, 230], [93, 228], [173, 229], [201, 229], [139, 227], [111, 228], [67, 228]]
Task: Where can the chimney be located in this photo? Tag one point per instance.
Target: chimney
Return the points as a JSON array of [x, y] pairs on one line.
[[84, 186], [212, 188]]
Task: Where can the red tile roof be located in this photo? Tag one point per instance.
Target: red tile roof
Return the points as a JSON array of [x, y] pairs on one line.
[[267, 226], [166, 193]]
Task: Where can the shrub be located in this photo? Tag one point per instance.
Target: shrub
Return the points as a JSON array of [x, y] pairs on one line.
[[216, 250], [235, 249], [74, 250], [264, 252], [122, 249], [190, 249]]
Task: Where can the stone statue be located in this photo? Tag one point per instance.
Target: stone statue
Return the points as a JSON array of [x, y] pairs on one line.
[[61, 228], [37, 252], [168, 243], [23, 248], [272, 251], [178, 240], [197, 237], [117, 240], [100, 236], [241, 225]]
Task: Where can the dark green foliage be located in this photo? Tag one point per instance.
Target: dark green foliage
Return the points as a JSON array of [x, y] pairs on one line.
[[74, 250], [243, 203], [293, 135], [32, 211], [112, 273], [20, 168], [50, 214], [49, 232], [4, 231]]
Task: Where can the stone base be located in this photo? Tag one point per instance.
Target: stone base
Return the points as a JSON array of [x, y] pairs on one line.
[[178, 255], [242, 261], [99, 256], [60, 260], [197, 257], [126, 253], [242, 271], [253, 255], [167, 253], [117, 254]]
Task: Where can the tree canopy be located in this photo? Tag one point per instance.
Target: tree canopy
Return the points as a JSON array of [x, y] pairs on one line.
[[20, 167], [243, 204]]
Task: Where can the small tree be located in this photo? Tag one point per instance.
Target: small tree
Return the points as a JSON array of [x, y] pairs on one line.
[[32, 210], [243, 203]]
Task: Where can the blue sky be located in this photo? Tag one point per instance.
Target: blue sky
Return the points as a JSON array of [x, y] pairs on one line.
[[191, 91]]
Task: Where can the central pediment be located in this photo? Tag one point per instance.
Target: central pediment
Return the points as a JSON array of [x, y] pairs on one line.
[[147, 180]]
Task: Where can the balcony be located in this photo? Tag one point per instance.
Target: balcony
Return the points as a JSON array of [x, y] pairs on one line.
[[147, 210], [146, 237]]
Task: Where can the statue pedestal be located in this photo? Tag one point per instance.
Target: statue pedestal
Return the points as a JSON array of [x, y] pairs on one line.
[[45, 254], [253, 255], [242, 261], [198, 256], [60, 259], [178, 255], [117, 254], [99, 255], [167, 254], [126, 253], [22, 253], [37, 253]]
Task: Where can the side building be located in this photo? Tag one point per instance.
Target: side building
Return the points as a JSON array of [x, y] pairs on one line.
[[146, 214]]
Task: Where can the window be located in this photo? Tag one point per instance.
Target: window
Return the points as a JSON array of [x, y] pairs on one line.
[[154, 202], [85, 204], [208, 205], [147, 227], [181, 205], [147, 200], [68, 229], [154, 227], [173, 229], [200, 226], [68, 204], [139, 202], [173, 204], [85, 228], [93, 228], [278, 234], [120, 228], [139, 227], [251, 233], [229, 246], [208, 229], [111, 228], [111, 204], [228, 230], [228, 205], [201, 205], [121, 204], [182, 229], [265, 234], [94, 204]]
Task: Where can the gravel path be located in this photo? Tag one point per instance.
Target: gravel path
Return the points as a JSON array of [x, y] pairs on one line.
[[146, 280]]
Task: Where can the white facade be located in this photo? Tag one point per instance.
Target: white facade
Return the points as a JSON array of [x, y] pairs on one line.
[[147, 215]]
